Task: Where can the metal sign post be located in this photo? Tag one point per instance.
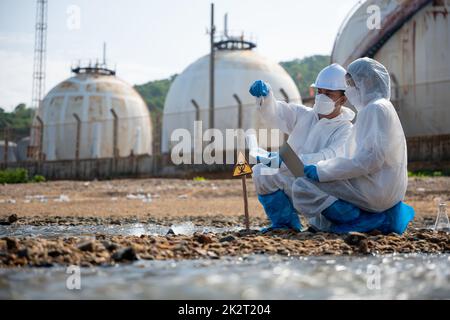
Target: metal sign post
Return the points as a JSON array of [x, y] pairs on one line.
[[241, 169]]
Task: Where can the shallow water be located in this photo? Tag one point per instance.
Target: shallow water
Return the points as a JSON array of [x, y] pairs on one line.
[[132, 229], [253, 277]]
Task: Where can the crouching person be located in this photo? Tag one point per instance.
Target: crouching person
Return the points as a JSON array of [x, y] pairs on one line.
[[362, 190], [315, 134]]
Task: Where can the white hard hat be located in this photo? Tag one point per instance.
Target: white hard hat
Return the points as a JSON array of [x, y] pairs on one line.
[[331, 78]]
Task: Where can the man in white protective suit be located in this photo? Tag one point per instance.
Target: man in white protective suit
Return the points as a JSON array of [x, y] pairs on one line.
[[363, 189], [315, 134]]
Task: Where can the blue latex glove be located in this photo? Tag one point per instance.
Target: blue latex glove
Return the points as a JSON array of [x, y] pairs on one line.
[[311, 172], [272, 160], [259, 89]]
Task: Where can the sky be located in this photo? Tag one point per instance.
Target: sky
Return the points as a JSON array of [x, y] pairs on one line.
[[153, 39]]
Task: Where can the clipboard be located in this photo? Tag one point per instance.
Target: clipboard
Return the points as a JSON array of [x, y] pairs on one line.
[[291, 160]]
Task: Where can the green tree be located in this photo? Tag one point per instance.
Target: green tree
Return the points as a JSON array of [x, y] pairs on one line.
[[19, 121], [304, 71], [154, 94]]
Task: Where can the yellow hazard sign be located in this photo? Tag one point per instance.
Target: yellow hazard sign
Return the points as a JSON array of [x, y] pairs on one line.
[[242, 167]]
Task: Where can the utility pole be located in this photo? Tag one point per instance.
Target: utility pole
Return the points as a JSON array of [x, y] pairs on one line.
[[211, 70], [40, 48], [104, 54]]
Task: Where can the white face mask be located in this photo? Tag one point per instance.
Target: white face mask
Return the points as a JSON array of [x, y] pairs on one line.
[[354, 97], [323, 104]]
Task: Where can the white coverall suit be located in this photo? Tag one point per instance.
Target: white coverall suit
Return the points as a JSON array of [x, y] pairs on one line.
[[372, 174], [312, 139]]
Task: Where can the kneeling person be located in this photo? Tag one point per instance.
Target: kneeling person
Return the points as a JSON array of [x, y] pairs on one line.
[[315, 134], [362, 190]]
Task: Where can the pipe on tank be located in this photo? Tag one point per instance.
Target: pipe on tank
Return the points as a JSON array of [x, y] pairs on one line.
[[240, 113]]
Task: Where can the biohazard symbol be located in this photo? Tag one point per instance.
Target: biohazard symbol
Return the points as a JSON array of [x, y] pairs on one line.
[[242, 167]]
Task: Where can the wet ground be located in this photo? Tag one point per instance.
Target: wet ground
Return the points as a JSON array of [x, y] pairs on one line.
[[166, 238], [47, 246], [165, 198], [250, 277]]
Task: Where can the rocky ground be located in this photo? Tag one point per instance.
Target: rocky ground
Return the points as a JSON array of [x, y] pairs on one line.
[[108, 250], [215, 203]]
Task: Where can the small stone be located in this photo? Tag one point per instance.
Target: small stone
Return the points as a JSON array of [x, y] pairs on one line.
[[11, 243], [147, 256], [23, 253], [125, 254], [13, 218], [227, 238], [54, 253], [283, 252], [200, 251], [319, 238], [202, 238], [170, 232], [86, 246], [363, 246], [245, 232], [110, 246], [354, 238], [3, 245], [212, 255], [374, 233]]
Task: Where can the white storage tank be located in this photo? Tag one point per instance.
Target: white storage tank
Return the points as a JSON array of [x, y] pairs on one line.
[[413, 42], [237, 65], [12, 151], [93, 96]]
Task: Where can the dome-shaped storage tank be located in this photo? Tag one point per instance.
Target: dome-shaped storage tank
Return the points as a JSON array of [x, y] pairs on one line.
[[236, 67], [413, 42], [99, 111]]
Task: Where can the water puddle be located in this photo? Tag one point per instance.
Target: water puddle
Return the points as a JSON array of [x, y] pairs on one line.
[[132, 229], [254, 277]]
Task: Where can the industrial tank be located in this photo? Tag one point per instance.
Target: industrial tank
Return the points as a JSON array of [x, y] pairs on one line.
[[413, 42], [237, 65], [93, 114], [11, 155]]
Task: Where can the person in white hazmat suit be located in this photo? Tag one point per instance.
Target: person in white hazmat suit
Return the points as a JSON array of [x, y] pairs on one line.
[[315, 134], [363, 189]]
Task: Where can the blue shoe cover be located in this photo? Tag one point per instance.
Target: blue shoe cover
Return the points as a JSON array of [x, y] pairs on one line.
[[397, 218], [280, 211], [366, 222], [341, 212]]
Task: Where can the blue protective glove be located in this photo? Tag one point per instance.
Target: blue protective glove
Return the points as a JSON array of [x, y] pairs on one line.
[[311, 172], [272, 160], [259, 89]]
